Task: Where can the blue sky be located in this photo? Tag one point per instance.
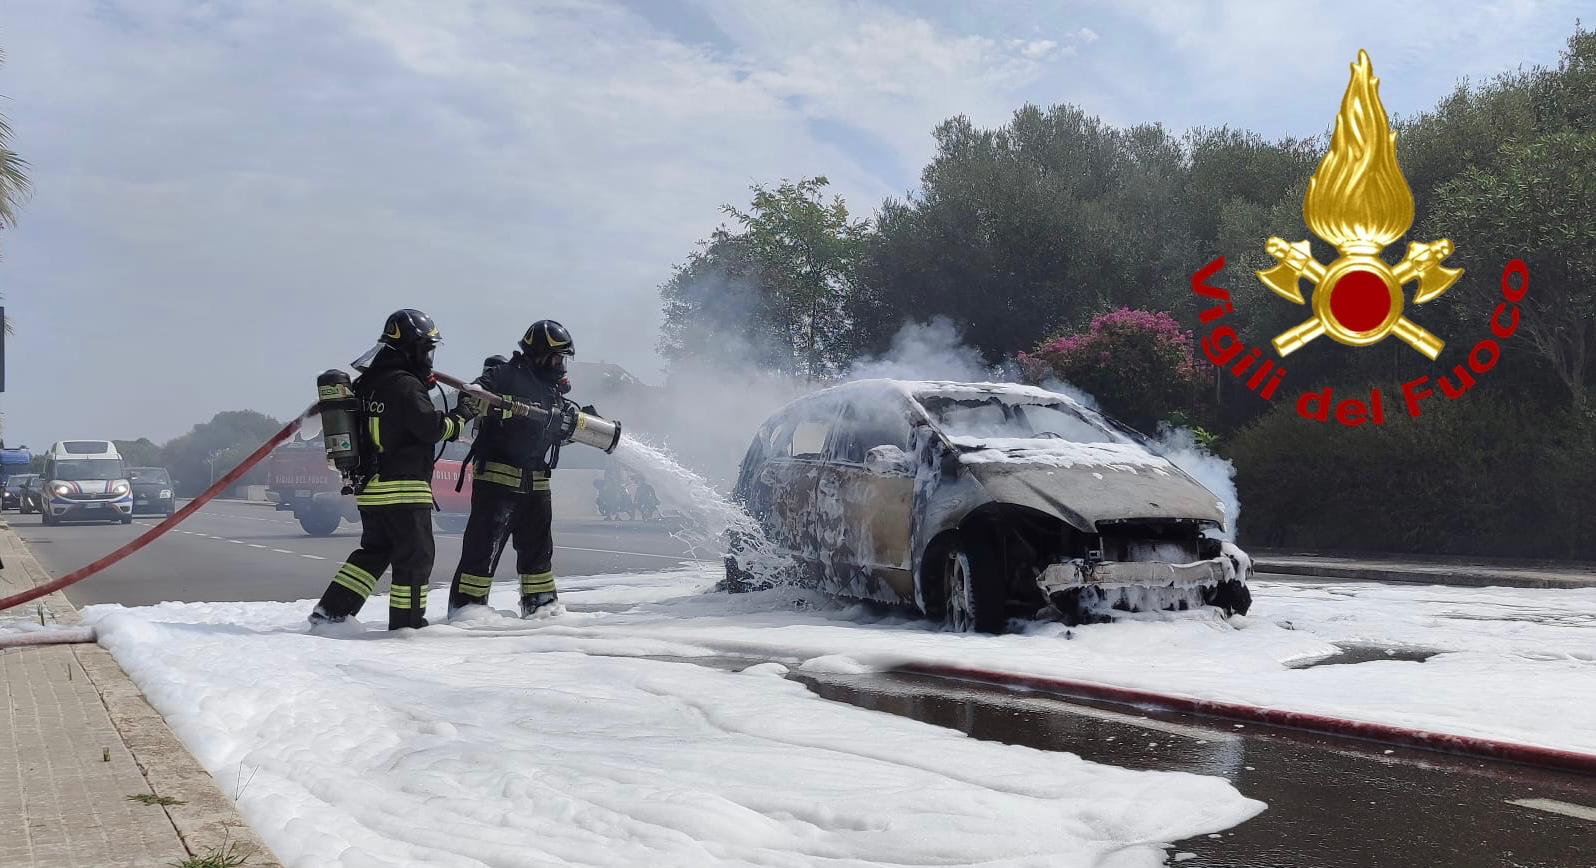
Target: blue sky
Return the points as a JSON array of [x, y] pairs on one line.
[[232, 195]]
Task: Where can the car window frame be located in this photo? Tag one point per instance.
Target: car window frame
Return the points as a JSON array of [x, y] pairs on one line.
[[847, 415], [790, 423]]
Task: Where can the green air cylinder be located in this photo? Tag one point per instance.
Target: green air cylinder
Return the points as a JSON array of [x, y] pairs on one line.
[[340, 413]]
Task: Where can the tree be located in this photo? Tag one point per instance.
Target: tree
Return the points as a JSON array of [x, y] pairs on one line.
[[784, 284], [1140, 365], [1537, 203], [138, 453], [807, 251], [216, 447]]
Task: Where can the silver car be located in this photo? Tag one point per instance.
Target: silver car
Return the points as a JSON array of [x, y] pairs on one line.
[[978, 502]]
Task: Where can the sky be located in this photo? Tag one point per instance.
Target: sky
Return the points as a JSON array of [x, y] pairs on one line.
[[232, 196]]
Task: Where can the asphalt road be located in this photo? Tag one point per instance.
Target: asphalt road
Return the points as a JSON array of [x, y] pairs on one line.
[[1333, 803], [232, 550]]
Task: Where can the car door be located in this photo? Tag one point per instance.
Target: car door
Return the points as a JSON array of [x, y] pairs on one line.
[[864, 506], [789, 477]]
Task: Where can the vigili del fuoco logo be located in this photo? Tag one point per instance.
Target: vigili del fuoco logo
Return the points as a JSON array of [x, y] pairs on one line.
[[1358, 202]]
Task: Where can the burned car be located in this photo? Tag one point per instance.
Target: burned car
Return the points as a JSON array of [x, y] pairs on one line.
[[978, 502]]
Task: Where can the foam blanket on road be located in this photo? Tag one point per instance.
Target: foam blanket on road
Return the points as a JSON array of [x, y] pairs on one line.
[[594, 738], [504, 743]]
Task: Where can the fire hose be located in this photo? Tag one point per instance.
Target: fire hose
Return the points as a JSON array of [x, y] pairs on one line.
[[171, 521]]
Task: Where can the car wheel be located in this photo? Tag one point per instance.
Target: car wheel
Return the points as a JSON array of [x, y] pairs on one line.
[[126, 519], [49, 520], [973, 600], [319, 520], [1232, 597]]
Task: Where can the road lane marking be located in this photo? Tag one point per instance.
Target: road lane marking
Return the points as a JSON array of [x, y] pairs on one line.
[[1553, 806], [677, 558], [284, 552], [314, 557], [256, 546]]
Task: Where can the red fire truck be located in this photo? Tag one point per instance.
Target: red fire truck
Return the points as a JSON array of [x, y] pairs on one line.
[[298, 480]]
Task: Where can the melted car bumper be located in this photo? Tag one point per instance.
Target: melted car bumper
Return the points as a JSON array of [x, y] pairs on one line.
[[1080, 573]]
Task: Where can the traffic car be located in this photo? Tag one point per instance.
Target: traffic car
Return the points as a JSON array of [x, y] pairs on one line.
[[11, 496], [152, 490], [978, 502], [85, 480], [28, 496]]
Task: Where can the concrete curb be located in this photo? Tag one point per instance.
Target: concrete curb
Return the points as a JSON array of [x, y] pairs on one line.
[[208, 821], [1425, 574]]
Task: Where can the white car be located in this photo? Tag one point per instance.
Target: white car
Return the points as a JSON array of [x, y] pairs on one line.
[[84, 480], [977, 502]]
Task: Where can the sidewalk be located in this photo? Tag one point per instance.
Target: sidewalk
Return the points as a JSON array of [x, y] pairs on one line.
[[80, 741], [1469, 572]]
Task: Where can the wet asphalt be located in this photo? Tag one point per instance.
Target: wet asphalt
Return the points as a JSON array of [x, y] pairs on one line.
[[1333, 802]]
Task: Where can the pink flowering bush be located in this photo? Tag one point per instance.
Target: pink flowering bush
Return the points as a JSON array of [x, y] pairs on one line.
[[1140, 365]]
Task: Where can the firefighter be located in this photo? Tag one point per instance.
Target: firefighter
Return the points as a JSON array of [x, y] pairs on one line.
[[514, 456], [399, 429]]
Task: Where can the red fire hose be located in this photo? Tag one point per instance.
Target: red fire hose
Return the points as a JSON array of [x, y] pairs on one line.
[[171, 521]]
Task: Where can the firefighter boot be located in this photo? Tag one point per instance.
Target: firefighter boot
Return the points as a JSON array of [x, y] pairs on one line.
[[541, 604]]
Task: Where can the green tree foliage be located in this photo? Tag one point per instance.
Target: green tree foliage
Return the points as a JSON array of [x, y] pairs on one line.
[[1141, 365], [228, 438], [1468, 477], [139, 453], [783, 282]]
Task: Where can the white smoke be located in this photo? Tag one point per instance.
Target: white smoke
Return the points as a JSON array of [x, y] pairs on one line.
[[1216, 474], [925, 351]]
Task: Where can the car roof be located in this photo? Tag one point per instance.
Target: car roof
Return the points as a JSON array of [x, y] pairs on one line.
[[917, 390]]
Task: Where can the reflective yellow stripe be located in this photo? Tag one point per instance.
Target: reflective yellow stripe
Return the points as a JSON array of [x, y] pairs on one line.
[[394, 500], [374, 427], [497, 479], [355, 579], [476, 586], [451, 428], [399, 597], [537, 583], [506, 469], [381, 486], [540, 485]]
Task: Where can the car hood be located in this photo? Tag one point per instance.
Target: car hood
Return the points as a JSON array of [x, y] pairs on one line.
[[1087, 483]]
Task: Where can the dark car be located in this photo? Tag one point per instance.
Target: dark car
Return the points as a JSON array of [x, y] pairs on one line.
[[28, 495], [11, 496], [152, 490]]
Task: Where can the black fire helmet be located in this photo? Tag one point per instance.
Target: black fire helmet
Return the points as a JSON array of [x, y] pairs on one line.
[[410, 333], [546, 337]]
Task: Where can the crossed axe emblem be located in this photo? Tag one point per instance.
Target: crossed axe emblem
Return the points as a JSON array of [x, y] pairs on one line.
[[1357, 299]]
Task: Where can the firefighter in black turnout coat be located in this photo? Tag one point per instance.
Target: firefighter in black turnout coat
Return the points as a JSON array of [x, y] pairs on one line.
[[512, 458], [399, 431]]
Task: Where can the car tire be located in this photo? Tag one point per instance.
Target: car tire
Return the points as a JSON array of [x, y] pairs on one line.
[[1232, 597], [49, 520], [126, 519], [972, 599], [319, 520]]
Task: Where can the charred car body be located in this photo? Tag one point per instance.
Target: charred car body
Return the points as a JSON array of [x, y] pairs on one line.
[[976, 502]]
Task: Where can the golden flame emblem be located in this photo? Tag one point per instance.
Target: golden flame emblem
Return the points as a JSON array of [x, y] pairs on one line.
[[1359, 202]]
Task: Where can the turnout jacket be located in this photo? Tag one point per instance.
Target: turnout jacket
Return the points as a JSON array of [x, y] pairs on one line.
[[401, 430], [517, 451]]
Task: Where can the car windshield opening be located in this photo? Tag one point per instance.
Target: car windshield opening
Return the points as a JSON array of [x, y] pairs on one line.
[[155, 477], [76, 471], [991, 418]]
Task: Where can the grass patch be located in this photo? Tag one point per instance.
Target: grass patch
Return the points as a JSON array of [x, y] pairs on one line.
[[152, 799], [229, 855]]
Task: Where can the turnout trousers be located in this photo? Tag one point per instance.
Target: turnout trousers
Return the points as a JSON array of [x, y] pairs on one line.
[[500, 513], [390, 536]]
